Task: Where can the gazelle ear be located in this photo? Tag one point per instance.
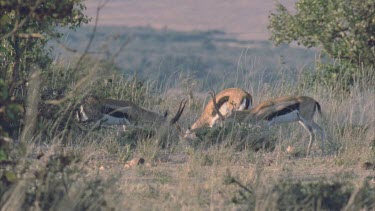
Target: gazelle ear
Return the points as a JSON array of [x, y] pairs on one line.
[[165, 113]]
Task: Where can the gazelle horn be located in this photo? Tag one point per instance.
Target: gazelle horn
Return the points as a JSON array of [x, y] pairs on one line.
[[213, 95]]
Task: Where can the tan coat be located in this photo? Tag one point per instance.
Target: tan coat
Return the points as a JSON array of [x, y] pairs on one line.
[[227, 100]]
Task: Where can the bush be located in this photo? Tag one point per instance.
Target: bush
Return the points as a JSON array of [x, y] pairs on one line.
[[311, 196], [240, 137], [302, 195], [339, 76], [53, 182]]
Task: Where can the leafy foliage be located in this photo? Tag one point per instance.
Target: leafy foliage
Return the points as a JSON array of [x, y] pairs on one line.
[[9, 110], [344, 29], [25, 28]]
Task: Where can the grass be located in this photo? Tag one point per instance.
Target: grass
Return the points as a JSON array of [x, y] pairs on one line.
[[229, 167], [210, 173]]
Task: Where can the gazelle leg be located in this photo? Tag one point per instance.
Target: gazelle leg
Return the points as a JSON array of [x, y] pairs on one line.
[[214, 120], [309, 129], [321, 131]]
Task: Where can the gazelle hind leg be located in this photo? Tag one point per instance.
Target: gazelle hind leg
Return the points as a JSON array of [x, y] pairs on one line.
[[321, 131], [309, 129]]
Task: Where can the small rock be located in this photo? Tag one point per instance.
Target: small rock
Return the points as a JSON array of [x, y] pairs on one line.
[[368, 165], [40, 155], [290, 149]]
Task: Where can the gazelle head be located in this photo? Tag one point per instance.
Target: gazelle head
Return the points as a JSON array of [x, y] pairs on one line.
[[228, 100], [89, 110]]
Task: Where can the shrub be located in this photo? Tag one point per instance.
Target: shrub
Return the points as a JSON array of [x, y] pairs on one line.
[[240, 137]]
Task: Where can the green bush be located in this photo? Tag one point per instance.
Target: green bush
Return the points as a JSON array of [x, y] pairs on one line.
[[10, 112]]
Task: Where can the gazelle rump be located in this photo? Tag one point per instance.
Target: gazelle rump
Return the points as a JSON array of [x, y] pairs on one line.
[[228, 100], [122, 112], [284, 110]]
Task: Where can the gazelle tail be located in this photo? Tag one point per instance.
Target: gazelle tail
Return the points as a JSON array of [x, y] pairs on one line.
[[318, 107]]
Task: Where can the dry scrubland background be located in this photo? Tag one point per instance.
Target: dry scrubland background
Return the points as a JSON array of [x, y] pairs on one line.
[[232, 167]]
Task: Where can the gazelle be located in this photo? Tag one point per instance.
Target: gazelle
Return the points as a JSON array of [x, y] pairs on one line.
[[283, 110], [231, 99], [121, 112]]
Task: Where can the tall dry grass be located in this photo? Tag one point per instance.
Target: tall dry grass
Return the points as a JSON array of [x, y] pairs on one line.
[[68, 168]]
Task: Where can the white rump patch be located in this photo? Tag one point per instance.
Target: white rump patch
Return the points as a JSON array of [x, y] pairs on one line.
[[289, 117], [243, 105]]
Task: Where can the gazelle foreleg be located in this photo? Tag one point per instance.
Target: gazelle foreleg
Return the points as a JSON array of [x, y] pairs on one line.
[[224, 112]]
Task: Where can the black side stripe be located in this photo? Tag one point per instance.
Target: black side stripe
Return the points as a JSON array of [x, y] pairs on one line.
[[117, 114], [283, 111]]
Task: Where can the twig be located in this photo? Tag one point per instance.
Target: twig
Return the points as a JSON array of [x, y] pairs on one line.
[[100, 6]]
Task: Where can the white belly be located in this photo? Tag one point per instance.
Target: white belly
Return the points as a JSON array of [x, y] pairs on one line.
[[109, 120], [289, 117]]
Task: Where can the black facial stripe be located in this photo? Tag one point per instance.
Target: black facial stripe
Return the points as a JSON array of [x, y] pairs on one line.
[[283, 111], [219, 104]]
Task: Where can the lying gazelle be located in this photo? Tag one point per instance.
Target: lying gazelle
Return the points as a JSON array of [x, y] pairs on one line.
[[228, 100], [282, 110], [121, 112]]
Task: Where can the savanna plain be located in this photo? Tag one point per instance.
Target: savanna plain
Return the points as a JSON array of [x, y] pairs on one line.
[[66, 165]]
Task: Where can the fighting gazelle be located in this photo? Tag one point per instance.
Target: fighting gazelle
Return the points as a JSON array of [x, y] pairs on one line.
[[282, 110], [122, 112], [231, 99]]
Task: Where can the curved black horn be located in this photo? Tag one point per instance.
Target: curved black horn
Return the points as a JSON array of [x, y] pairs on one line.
[[213, 95], [179, 112]]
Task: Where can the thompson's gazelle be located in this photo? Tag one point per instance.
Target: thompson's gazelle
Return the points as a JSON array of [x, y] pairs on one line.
[[231, 99], [283, 110], [122, 112]]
